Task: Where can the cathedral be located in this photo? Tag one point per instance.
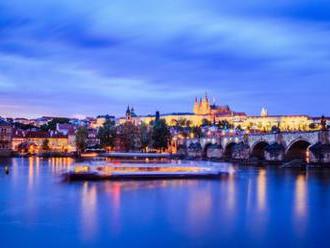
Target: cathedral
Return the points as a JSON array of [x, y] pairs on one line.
[[204, 110], [203, 107]]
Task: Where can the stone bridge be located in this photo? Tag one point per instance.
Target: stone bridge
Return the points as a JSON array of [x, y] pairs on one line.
[[270, 146]]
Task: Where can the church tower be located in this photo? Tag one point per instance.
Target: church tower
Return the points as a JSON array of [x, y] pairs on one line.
[[264, 112], [202, 107], [128, 114], [205, 106], [196, 107]]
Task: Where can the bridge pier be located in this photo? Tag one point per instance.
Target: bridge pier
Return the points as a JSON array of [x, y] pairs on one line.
[[214, 151], [195, 150], [320, 152], [241, 151], [274, 152]]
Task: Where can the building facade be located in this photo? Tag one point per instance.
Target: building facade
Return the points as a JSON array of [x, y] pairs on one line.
[[202, 110], [5, 138], [32, 142], [213, 113]]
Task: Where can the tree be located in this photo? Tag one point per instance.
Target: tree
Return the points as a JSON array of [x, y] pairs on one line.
[[107, 134], [45, 145], [145, 136], [182, 122], [81, 139], [128, 135], [51, 125], [188, 123], [206, 122], [239, 128], [197, 131], [174, 122], [275, 129], [24, 126], [224, 125], [312, 126], [160, 135]]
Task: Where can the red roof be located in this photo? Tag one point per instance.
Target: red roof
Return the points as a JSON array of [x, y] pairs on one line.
[[36, 134]]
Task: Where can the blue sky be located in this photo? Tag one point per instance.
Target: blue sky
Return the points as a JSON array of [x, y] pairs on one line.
[[75, 57]]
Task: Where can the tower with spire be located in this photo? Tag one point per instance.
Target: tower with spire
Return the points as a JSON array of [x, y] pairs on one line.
[[202, 107], [264, 112], [128, 114], [196, 106]]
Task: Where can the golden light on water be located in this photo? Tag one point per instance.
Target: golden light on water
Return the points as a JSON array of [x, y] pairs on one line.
[[37, 162], [199, 210], [115, 193], [15, 170], [31, 173], [231, 192], [88, 210], [261, 189], [300, 202]]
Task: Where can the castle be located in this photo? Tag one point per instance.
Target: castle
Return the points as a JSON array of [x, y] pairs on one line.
[[204, 110], [203, 107]]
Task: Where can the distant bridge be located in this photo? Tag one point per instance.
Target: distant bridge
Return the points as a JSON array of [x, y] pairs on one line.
[[294, 144]]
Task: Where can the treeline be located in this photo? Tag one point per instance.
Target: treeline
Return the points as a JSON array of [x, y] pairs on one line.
[[128, 137]]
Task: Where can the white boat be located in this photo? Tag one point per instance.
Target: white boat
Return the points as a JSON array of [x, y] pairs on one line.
[[135, 172]]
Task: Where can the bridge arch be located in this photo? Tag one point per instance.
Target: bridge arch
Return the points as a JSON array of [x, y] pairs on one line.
[[258, 149], [206, 147], [228, 152], [212, 150], [298, 149]]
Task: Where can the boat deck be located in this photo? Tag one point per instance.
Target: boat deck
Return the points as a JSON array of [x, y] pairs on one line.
[[141, 173]]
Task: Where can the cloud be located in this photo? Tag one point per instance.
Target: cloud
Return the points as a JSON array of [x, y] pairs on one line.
[[98, 57]]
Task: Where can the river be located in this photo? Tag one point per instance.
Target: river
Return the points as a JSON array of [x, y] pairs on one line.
[[252, 206]]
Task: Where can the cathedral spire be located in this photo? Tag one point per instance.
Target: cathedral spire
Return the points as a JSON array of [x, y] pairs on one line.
[[206, 97], [128, 111], [196, 106], [264, 112]]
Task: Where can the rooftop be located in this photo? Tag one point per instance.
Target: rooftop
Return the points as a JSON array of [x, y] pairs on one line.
[[4, 123]]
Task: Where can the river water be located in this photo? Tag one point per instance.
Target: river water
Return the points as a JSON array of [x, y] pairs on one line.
[[252, 206]]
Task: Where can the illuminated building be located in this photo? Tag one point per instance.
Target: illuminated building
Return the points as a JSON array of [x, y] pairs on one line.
[[5, 138], [204, 110], [266, 122], [100, 120], [29, 141]]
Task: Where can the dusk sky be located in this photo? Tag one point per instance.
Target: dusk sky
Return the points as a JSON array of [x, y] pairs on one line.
[[76, 58]]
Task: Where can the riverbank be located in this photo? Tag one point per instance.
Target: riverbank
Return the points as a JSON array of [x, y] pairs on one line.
[[135, 156]]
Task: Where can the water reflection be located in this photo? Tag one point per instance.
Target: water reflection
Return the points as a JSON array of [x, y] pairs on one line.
[[249, 205], [261, 189], [88, 211], [14, 171], [116, 193], [231, 193], [31, 173], [300, 196], [57, 165], [199, 210]]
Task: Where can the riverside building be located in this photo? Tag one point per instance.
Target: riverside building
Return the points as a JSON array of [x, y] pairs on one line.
[[5, 138]]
